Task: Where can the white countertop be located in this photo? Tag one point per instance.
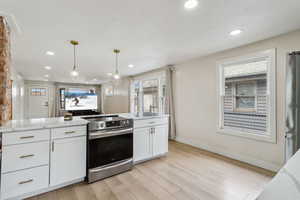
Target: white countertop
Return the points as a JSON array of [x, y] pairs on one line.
[[141, 117], [31, 124], [55, 122], [286, 184]]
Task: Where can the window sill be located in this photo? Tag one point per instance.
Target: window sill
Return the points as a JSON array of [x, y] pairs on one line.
[[249, 135]]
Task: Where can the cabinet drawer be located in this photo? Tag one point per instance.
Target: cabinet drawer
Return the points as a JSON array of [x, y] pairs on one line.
[[68, 132], [22, 156], [25, 136], [24, 181], [150, 122]]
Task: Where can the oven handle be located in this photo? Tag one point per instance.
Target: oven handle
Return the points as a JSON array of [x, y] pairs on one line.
[[98, 169], [102, 134]]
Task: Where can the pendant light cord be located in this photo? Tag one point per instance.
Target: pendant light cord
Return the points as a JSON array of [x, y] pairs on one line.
[[74, 68], [117, 69]]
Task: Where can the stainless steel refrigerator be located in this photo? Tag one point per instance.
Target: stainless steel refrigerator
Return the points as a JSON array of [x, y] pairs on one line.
[[292, 134]]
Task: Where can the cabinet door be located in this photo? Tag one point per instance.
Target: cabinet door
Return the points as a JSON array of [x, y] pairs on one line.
[[68, 160], [142, 147], [160, 140]]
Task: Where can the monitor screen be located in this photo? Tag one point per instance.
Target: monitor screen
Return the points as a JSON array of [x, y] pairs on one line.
[[81, 99]]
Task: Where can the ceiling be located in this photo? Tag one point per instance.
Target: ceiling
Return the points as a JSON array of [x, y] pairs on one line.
[[150, 34]]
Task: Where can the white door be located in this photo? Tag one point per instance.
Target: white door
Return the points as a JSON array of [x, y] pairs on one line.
[[160, 140], [38, 105], [142, 144], [68, 160]]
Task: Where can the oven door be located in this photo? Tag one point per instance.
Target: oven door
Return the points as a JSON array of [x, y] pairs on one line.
[[109, 147]]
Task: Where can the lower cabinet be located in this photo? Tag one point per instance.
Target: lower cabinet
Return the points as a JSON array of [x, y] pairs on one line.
[[141, 144], [150, 142], [26, 167], [24, 181], [68, 160], [160, 140]]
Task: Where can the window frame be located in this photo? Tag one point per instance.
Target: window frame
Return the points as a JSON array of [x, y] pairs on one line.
[[271, 134]]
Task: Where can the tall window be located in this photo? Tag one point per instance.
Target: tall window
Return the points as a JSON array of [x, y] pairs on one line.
[[62, 98], [247, 96], [148, 94]]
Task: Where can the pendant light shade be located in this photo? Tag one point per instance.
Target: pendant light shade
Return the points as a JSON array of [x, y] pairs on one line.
[[74, 72], [117, 75]]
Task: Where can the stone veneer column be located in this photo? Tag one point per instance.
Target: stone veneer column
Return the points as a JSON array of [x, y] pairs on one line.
[[5, 80]]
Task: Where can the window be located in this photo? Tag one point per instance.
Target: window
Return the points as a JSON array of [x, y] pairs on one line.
[[109, 91], [245, 100], [148, 94], [38, 92], [247, 96], [62, 98]]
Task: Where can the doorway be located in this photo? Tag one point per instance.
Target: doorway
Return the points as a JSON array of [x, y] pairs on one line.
[[38, 102]]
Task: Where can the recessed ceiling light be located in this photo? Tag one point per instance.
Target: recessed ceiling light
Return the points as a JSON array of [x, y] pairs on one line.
[[94, 79], [235, 32], [109, 74], [131, 66], [190, 4], [48, 67], [46, 75], [50, 53]]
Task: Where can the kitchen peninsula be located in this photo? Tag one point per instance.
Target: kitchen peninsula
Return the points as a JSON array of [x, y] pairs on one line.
[[37, 153]]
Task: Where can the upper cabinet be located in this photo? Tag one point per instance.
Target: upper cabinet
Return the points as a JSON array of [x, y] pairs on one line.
[[148, 94]]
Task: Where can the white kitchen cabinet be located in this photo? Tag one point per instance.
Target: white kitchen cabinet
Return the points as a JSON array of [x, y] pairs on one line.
[[24, 156], [42, 159], [150, 141], [24, 181], [68, 160], [25, 162], [160, 140], [141, 147]]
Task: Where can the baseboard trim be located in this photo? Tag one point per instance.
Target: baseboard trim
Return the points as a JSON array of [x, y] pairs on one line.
[[252, 161]]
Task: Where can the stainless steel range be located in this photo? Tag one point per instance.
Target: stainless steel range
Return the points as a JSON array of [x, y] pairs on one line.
[[110, 146]]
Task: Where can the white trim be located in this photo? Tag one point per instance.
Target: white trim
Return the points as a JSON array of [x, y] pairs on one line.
[[235, 156], [270, 135]]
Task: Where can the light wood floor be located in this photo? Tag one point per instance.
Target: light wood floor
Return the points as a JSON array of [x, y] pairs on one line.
[[185, 173]]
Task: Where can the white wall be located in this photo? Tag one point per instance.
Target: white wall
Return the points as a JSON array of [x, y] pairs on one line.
[[18, 98], [119, 102], [196, 105]]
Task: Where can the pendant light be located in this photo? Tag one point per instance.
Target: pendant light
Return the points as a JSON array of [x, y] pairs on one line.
[[74, 72], [116, 75]]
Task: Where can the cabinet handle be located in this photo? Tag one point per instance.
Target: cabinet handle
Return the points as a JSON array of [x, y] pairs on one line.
[[70, 132], [151, 122], [26, 137], [52, 146], [23, 182], [27, 156]]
